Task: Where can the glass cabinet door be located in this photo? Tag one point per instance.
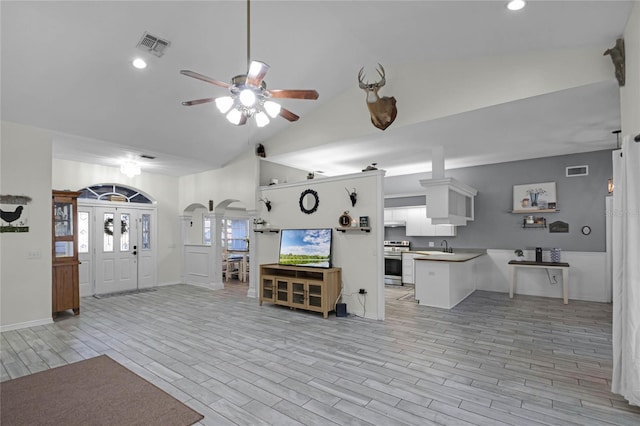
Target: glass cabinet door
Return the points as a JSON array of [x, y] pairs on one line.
[[63, 227], [63, 219]]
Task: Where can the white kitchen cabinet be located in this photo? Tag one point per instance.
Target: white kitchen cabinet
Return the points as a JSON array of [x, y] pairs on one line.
[[418, 224], [395, 214], [444, 284]]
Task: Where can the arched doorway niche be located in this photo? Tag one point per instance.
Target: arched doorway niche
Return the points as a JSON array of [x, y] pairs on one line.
[[204, 245]]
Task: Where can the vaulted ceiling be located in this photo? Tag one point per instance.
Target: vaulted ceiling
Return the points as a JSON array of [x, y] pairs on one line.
[[66, 66]]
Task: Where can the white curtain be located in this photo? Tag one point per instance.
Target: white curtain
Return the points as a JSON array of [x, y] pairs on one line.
[[626, 271]]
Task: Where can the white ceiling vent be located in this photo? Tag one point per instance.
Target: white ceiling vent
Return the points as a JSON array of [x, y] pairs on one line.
[[153, 44]]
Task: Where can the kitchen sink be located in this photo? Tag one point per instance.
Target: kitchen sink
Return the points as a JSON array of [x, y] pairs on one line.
[[435, 252]]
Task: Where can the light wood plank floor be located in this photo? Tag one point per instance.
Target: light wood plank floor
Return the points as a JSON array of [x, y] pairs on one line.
[[489, 361]]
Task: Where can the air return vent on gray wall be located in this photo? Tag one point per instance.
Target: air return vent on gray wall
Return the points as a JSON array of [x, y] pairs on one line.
[[153, 44], [573, 171]]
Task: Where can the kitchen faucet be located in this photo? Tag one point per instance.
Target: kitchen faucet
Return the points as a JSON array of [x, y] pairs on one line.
[[446, 246]]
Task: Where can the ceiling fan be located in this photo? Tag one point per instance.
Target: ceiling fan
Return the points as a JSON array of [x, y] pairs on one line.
[[249, 96]]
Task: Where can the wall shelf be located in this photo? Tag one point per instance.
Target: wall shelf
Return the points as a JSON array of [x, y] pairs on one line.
[[540, 222], [263, 230], [534, 211], [354, 228]]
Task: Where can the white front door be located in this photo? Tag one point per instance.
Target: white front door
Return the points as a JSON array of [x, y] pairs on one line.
[[146, 248], [116, 249], [86, 232]]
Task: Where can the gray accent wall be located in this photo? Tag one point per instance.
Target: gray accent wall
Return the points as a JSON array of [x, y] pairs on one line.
[[580, 201]]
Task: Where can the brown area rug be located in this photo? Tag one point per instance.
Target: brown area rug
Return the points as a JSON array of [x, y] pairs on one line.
[[97, 391]]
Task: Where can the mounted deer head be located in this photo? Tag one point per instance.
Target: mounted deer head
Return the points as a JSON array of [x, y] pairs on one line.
[[383, 110]]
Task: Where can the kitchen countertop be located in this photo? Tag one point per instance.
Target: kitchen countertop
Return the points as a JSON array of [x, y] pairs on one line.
[[458, 256]]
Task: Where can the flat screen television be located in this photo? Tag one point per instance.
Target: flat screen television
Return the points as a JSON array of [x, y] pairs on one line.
[[305, 247]]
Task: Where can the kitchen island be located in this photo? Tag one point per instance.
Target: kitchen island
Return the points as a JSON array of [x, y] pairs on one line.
[[445, 279]]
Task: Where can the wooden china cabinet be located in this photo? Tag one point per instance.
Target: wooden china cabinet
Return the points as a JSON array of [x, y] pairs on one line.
[[65, 290]]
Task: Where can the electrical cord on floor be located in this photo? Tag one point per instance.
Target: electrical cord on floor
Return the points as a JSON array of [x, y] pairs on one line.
[[549, 276], [364, 305]]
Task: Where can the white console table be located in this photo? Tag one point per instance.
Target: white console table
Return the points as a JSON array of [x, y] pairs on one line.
[[515, 264]]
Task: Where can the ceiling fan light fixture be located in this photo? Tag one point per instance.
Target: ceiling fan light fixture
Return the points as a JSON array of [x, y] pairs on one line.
[[130, 168], [262, 119], [247, 97], [272, 108], [224, 103], [234, 116]]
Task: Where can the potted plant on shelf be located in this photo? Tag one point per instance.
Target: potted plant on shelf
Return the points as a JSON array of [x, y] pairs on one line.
[[519, 254]]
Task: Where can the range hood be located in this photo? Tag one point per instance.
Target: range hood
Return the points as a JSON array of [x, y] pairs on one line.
[[449, 202], [394, 223]]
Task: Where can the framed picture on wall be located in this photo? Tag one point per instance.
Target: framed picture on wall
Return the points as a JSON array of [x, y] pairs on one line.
[[534, 196]]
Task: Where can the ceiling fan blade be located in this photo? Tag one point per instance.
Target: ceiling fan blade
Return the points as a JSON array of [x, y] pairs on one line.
[[256, 73], [294, 94], [198, 101], [285, 113], [243, 120], [204, 78]]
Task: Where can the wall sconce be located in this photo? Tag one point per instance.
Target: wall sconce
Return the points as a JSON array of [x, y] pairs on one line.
[[610, 186], [353, 196], [266, 203]]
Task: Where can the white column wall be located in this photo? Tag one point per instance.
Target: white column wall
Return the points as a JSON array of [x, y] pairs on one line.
[[25, 282], [359, 254]]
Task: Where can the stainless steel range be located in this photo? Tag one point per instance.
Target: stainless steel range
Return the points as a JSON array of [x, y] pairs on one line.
[[393, 261]]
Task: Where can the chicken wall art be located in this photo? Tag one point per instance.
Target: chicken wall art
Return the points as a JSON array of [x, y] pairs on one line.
[[14, 213]]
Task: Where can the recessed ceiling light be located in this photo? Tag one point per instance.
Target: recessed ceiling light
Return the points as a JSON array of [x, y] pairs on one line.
[[516, 5], [139, 63]]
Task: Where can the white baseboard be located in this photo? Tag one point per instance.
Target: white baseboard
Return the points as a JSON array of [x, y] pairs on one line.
[[27, 324]]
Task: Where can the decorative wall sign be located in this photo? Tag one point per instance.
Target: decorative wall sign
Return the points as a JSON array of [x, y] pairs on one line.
[[534, 196], [14, 213], [559, 226], [345, 220]]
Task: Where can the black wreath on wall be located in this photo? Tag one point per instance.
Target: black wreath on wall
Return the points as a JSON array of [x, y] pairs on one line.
[[108, 226], [309, 201]]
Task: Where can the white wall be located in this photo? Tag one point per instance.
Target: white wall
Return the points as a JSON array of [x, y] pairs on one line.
[[359, 254], [25, 284], [452, 87], [162, 189], [237, 180]]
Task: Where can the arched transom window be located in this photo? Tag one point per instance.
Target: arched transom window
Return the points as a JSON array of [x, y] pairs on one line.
[[111, 192]]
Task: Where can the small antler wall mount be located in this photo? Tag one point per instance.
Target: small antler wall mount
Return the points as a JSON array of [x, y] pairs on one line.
[[618, 59], [353, 196], [382, 109], [267, 203]]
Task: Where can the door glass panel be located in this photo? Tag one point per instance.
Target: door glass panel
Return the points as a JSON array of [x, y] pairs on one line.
[[124, 231], [146, 232], [315, 289], [83, 232], [107, 242], [315, 301]]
